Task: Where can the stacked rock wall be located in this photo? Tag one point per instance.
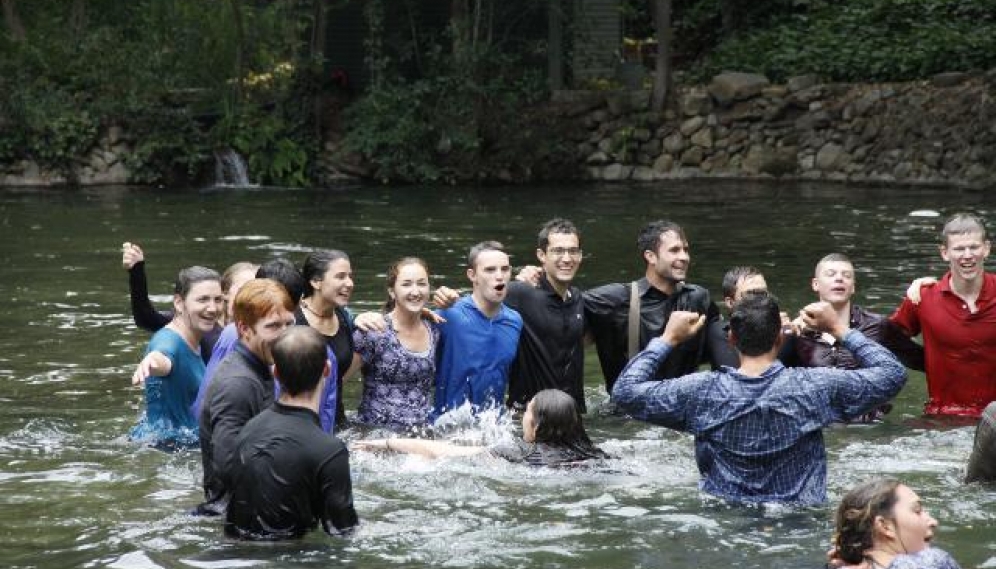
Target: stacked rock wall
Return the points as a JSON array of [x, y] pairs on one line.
[[941, 131]]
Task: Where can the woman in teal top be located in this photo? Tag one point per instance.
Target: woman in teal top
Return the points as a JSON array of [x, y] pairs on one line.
[[172, 368]]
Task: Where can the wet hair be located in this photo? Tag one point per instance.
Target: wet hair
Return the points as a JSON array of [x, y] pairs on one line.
[[285, 273], [755, 322], [650, 236], [299, 356], [855, 517], [482, 247], [392, 276], [962, 223], [258, 298], [229, 275], [832, 258], [733, 277], [558, 426], [190, 276], [555, 225], [317, 264]]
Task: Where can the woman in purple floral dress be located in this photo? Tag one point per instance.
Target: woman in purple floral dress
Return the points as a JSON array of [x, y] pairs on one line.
[[399, 363]]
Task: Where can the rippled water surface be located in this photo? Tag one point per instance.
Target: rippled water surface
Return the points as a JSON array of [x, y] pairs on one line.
[[76, 493]]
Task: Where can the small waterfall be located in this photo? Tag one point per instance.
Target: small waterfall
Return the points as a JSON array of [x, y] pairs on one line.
[[230, 169]]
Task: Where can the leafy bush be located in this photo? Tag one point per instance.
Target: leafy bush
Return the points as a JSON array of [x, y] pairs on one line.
[[866, 40], [463, 121]]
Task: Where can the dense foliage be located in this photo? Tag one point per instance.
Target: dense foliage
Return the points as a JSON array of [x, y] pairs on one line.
[[864, 40], [453, 98], [182, 77]]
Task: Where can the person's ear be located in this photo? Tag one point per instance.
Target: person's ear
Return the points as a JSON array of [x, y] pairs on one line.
[[470, 274], [650, 257], [541, 255], [815, 284], [177, 304]]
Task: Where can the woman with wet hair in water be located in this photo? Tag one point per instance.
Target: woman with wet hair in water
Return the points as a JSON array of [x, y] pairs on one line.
[[173, 367], [552, 435], [881, 524]]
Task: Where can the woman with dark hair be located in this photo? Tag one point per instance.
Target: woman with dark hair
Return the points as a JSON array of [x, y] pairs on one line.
[[399, 362], [148, 318], [552, 435], [881, 524], [173, 368], [329, 284]]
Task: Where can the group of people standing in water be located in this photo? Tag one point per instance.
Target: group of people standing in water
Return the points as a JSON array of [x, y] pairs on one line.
[[249, 366]]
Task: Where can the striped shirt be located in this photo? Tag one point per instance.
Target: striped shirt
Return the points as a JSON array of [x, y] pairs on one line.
[[760, 439]]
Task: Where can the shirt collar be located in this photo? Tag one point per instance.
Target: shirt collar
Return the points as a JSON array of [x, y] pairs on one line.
[[986, 293], [643, 286]]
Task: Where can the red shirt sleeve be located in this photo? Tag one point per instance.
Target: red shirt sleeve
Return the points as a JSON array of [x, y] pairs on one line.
[[907, 317]]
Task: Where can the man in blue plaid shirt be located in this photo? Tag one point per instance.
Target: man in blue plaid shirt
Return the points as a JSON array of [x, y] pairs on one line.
[[759, 428]]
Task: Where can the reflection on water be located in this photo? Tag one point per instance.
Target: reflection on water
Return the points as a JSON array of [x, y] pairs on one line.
[[76, 493]]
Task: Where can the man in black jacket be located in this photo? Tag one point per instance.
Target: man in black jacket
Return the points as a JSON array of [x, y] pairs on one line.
[[664, 248], [242, 386]]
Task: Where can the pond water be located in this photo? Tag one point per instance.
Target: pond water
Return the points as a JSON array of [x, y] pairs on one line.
[[76, 493]]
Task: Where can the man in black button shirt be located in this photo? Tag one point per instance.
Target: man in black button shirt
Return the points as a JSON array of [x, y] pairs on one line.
[[551, 346], [662, 290], [288, 474]]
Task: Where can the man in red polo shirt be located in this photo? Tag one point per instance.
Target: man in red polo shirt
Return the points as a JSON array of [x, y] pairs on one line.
[[957, 318]]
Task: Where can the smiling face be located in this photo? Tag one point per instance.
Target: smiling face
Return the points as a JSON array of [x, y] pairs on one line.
[[260, 336], [966, 254], [912, 527], [671, 259], [336, 285], [200, 309], [834, 282], [411, 288], [490, 277], [561, 259]]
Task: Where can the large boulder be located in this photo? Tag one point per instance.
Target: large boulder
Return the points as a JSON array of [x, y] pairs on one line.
[[734, 86]]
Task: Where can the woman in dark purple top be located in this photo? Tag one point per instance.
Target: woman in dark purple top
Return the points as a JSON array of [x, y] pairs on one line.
[[399, 363]]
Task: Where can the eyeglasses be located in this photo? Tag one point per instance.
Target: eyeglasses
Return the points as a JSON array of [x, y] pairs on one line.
[[560, 252]]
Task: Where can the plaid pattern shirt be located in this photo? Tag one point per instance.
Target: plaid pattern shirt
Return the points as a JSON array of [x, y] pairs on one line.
[[760, 439]]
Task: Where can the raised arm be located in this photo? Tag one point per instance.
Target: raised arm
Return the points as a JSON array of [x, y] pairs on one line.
[[879, 379], [655, 400], [145, 315]]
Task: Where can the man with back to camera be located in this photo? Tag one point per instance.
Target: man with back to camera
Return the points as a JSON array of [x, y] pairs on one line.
[[479, 337], [243, 386], [287, 474], [662, 290], [758, 429], [957, 318]]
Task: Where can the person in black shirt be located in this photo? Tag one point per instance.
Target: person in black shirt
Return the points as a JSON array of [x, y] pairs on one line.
[[242, 386], [550, 352], [288, 475], [551, 346], [664, 249]]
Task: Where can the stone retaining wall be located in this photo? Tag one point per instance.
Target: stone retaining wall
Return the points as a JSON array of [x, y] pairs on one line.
[[941, 131]]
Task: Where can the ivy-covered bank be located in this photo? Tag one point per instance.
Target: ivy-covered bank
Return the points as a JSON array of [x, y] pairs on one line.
[[938, 131]]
